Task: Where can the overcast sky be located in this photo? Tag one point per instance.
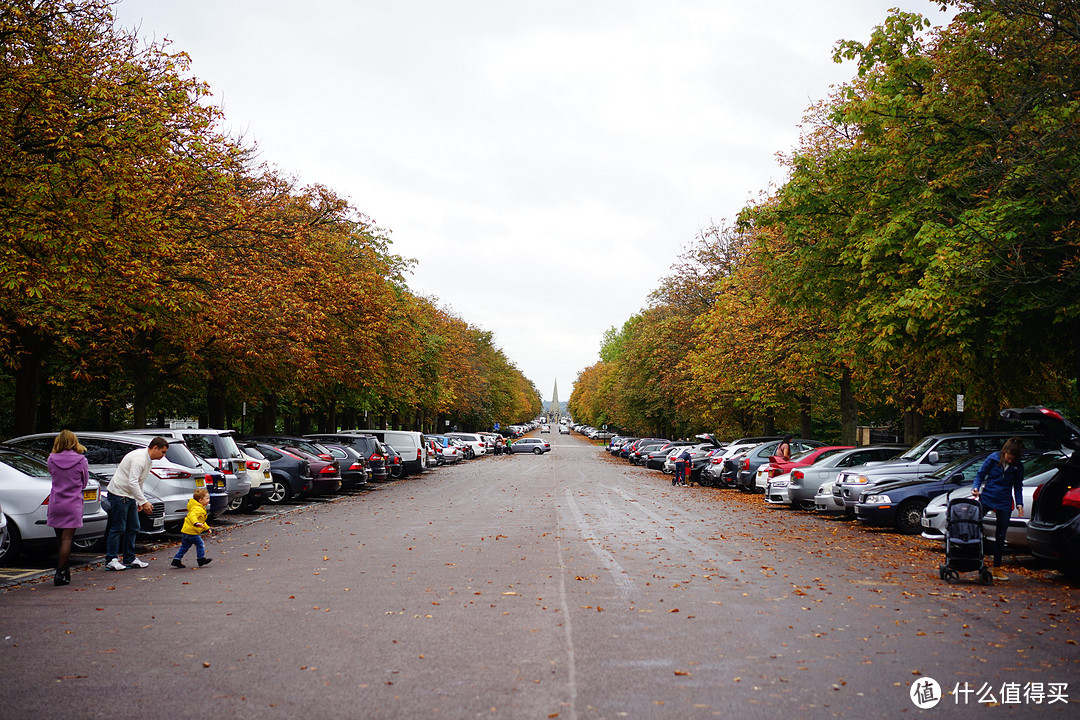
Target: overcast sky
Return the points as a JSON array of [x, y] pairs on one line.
[[544, 163]]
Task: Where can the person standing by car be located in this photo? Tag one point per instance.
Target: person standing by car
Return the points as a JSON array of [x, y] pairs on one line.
[[784, 448], [682, 463], [70, 475], [998, 484], [126, 499]]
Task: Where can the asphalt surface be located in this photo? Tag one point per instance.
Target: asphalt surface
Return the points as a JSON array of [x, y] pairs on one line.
[[568, 585]]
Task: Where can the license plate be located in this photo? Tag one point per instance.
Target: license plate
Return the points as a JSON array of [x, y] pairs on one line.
[[200, 482], [89, 495], [266, 474], [925, 522], [159, 522]]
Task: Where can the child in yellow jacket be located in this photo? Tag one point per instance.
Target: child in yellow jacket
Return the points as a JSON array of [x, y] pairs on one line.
[[194, 526]]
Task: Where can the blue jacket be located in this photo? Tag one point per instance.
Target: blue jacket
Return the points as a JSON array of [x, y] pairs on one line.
[[996, 481]]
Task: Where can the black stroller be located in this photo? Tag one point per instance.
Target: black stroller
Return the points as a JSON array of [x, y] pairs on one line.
[[964, 541]]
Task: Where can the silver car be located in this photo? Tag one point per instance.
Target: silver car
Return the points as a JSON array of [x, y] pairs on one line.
[[1037, 471], [172, 479], [805, 482], [25, 485]]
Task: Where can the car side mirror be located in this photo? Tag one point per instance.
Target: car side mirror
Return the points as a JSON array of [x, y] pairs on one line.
[[933, 458], [957, 479]]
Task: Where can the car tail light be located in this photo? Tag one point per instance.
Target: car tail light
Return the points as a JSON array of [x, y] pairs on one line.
[[253, 465], [746, 464], [356, 466], [1051, 413], [418, 456], [797, 475], [46, 500], [170, 474], [376, 457], [328, 470], [324, 456]]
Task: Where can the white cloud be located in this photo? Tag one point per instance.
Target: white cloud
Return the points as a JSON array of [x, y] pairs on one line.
[[544, 162]]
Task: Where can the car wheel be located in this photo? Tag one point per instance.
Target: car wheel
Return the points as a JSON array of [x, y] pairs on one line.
[[89, 545], [909, 517], [538, 451], [280, 493], [397, 471], [12, 544], [235, 505]]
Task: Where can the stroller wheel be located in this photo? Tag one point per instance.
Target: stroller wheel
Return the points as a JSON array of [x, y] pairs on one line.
[[985, 578], [951, 576]]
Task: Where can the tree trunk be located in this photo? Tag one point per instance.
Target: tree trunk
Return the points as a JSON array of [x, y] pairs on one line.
[[849, 411], [28, 377], [215, 405], [804, 417]]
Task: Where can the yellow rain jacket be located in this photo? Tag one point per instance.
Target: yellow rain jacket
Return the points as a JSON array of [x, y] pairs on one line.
[[196, 513]]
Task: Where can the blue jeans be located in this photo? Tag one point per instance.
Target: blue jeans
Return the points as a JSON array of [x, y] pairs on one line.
[[123, 526], [187, 542], [680, 471]]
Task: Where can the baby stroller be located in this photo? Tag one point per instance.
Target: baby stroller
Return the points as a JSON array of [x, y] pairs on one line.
[[964, 541]]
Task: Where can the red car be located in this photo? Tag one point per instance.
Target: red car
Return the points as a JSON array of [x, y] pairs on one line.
[[779, 466]]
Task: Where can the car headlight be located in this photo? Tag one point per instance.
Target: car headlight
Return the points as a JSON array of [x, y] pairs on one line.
[[858, 480], [878, 500]]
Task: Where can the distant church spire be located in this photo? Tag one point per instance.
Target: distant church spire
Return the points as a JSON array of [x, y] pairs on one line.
[[554, 412]]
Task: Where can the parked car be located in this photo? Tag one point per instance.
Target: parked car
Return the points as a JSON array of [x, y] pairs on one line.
[[545, 428], [1037, 470], [827, 502], [564, 430], [900, 502], [760, 454], [409, 445], [1053, 532], [783, 466], [928, 455], [538, 446], [479, 447], [447, 452], [364, 443], [393, 462], [352, 465], [25, 486], [804, 483], [218, 447], [290, 474], [172, 479]]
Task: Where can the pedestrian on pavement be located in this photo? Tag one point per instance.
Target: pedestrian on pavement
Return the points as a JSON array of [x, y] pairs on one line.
[[194, 526], [1000, 482], [70, 475], [126, 500]]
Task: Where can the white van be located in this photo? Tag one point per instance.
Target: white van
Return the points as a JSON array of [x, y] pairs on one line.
[[409, 444]]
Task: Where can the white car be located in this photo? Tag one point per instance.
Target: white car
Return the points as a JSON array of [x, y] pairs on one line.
[[827, 503], [477, 443], [25, 485], [545, 428], [776, 489], [564, 430]]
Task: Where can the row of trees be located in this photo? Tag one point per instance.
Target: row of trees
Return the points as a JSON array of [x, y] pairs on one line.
[[924, 245], [151, 267]]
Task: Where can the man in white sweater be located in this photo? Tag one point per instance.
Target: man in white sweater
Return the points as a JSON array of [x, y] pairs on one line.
[[126, 499]]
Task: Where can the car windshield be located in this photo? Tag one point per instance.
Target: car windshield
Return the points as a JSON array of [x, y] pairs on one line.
[[955, 466], [916, 452]]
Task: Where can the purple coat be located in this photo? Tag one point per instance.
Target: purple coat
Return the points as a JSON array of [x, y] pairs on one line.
[[70, 475]]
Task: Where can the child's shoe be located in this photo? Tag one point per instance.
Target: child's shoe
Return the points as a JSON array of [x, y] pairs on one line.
[[205, 561], [177, 562]]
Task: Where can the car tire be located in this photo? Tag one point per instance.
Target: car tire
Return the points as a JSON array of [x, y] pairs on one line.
[[280, 493], [12, 545], [89, 545], [235, 505], [538, 451], [397, 471], [909, 516]]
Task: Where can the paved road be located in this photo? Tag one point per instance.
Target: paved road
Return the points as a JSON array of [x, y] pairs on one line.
[[569, 585]]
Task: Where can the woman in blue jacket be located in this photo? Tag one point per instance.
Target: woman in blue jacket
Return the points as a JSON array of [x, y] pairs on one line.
[[998, 485]]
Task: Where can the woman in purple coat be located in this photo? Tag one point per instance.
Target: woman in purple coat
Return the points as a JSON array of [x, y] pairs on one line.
[[70, 476]]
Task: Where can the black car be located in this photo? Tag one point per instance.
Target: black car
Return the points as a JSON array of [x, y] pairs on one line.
[[1053, 532], [367, 445], [354, 466], [899, 503], [394, 464], [290, 473]]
